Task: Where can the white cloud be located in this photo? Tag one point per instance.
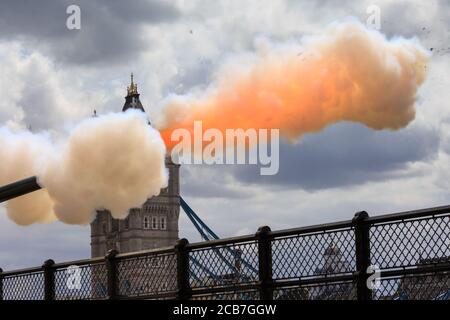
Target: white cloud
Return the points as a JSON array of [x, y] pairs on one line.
[[36, 93]]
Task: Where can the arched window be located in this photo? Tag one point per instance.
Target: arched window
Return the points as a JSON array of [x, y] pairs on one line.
[[154, 223], [146, 222], [163, 223]]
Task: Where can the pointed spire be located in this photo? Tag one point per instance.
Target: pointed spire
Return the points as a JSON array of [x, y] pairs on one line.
[[132, 98], [132, 88]]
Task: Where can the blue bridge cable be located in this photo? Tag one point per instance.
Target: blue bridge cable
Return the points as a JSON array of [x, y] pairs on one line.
[[194, 219], [205, 237], [217, 279], [192, 215], [194, 260], [201, 227], [205, 269], [187, 209], [213, 275]]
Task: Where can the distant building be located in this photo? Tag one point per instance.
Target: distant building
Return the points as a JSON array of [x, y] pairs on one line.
[[334, 263], [333, 260], [153, 225]]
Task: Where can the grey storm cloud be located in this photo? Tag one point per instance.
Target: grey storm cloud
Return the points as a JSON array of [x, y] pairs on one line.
[[194, 76], [110, 30], [346, 154], [196, 181]]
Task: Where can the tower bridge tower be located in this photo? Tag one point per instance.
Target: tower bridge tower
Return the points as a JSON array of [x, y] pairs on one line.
[[153, 225]]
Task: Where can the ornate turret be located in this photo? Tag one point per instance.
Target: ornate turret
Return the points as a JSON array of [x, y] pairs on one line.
[[132, 88], [132, 98]]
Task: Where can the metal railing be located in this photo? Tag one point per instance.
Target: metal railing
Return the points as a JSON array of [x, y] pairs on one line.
[[409, 251]]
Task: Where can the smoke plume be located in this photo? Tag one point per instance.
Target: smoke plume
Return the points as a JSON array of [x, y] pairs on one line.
[[113, 162], [23, 155], [347, 73], [116, 161]]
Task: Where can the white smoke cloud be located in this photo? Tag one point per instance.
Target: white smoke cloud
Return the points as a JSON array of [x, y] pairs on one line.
[[115, 162], [23, 155]]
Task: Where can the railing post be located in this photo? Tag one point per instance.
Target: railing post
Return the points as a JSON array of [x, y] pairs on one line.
[[1, 284], [184, 290], [265, 263], [111, 270], [49, 279], [362, 246]]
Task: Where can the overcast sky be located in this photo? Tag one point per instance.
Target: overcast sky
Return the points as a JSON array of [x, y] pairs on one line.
[[51, 76]]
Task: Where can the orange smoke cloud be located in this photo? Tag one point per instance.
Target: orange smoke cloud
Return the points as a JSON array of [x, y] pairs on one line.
[[347, 73]]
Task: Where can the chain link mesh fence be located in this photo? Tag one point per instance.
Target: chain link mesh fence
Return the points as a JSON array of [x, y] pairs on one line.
[[408, 255]]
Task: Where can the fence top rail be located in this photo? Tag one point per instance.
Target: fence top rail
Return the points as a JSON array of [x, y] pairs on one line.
[[399, 216], [142, 253], [79, 263], [412, 214], [417, 270], [19, 272], [221, 242], [311, 229]]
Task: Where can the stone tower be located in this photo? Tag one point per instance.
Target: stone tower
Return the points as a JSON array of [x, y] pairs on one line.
[[153, 225]]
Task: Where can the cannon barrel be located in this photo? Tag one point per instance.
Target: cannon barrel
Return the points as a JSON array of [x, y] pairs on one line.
[[18, 188]]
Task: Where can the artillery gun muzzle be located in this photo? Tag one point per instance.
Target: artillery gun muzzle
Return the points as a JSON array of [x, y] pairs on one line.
[[18, 188]]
